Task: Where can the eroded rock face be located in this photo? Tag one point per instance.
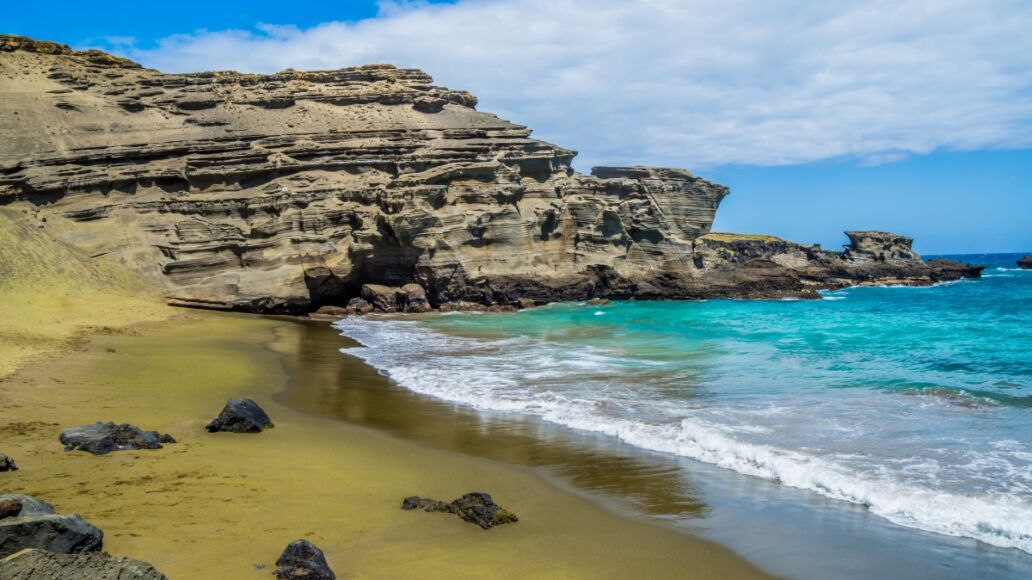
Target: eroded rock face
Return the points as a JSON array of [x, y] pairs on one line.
[[103, 438], [879, 247], [303, 560], [291, 191], [288, 191], [32, 523], [240, 416], [41, 565]]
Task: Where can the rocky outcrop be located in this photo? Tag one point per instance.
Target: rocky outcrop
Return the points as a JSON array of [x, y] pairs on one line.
[[32, 523], [303, 560], [1025, 263], [41, 565], [7, 464], [475, 507], [287, 192], [240, 416], [103, 438]]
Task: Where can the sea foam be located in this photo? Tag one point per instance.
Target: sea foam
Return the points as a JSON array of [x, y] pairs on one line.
[[527, 376]]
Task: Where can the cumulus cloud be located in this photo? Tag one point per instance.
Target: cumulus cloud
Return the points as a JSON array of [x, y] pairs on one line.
[[693, 83]]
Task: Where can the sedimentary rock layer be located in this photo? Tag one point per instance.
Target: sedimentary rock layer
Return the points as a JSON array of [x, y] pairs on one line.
[[289, 191]]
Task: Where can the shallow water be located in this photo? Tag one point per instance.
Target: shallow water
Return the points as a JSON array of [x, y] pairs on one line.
[[869, 416]]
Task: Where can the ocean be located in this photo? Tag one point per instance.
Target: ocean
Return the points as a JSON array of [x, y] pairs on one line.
[[913, 404]]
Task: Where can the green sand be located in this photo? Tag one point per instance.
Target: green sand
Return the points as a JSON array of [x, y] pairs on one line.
[[213, 506]]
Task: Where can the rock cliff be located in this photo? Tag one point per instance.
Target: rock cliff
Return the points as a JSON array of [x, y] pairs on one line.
[[289, 191]]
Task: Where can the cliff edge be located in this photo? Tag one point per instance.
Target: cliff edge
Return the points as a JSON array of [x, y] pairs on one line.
[[290, 191]]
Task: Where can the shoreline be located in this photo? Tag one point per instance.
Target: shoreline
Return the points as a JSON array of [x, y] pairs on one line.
[[214, 505]]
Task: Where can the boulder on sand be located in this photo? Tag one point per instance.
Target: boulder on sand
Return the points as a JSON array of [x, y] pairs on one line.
[[32, 523], [303, 560], [41, 565], [475, 507], [102, 438], [240, 416], [7, 464]]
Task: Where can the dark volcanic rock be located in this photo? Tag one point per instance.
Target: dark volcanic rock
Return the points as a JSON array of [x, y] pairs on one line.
[[1025, 263], [475, 507], [103, 438], [37, 526], [425, 504], [303, 560], [7, 464], [480, 509], [41, 565], [10, 508], [240, 416]]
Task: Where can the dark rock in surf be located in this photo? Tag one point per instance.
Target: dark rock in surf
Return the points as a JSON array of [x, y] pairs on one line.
[[34, 524], [42, 565], [303, 560], [1025, 263], [7, 464], [475, 507], [240, 416], [102, 438]]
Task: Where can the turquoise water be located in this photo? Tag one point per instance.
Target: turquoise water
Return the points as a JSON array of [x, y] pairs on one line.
[[915, 403]]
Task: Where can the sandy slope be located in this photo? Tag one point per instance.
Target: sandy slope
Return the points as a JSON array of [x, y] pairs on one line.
[[51, 293]]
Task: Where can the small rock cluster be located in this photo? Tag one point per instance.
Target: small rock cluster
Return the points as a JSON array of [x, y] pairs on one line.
[[475, 507], [103, 438], [36, 543], [26, 522]]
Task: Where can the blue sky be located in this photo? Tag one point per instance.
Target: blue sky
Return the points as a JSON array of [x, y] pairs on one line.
[[912, 116]]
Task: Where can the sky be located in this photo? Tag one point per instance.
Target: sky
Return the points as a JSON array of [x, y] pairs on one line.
[[913, 116]]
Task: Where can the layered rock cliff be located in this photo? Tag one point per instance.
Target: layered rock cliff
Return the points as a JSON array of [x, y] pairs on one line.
[[285, 192]]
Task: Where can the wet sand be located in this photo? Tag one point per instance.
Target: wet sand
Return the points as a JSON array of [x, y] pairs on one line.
[[215, 505]]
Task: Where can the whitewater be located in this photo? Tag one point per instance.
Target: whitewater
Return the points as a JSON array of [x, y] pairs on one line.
[[913, 402]]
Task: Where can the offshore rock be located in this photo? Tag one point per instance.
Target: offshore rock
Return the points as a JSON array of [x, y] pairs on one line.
[[41, 565], [34, 524], [240, 416], [287, 192], [475, 507], [7, 464], [103, 438], [1025, 263], [303, 560]]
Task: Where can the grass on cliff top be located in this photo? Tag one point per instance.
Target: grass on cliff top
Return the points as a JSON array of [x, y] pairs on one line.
[[729, 237], [51, 293]]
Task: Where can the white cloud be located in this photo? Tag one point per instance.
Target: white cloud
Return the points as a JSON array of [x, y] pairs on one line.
[[692, 83]]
